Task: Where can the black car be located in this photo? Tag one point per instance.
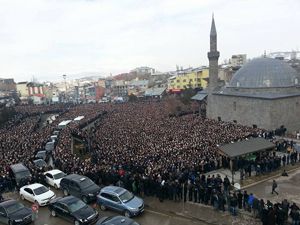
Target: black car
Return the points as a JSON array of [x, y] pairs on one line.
[[116, 220], [14, 213], [73, 210], [20, 174], [79, 186]]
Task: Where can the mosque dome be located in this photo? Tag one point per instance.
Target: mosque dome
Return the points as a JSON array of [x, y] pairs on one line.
[[265, 73]]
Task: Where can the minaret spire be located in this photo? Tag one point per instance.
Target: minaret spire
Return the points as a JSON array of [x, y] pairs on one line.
[[213, 56], [213, 31]]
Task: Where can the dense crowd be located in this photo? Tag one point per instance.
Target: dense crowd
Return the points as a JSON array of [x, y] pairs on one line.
[[135, 145], [143, 139]]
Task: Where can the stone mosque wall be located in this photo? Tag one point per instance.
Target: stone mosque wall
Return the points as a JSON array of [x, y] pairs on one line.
[[264, 113]]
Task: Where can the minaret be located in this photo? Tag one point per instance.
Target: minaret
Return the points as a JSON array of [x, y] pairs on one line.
[[213, 56]]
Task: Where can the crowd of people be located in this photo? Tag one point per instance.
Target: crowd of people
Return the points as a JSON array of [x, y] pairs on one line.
[[138, 146]]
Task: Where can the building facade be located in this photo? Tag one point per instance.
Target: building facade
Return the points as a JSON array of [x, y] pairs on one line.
[[195, 78], [238, 61], [264, 93]]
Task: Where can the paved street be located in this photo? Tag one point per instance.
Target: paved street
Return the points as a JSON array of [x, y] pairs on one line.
[[149, 217], [288, 188], [168, 212]]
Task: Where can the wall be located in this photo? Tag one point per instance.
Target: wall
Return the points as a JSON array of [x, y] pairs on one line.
[[22, 89], [183, 81], [268, 114]]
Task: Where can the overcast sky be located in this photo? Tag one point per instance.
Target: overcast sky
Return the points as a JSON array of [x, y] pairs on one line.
[[48, 38]]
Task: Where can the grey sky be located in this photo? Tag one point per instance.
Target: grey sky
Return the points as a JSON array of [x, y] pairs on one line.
[[48, 38]]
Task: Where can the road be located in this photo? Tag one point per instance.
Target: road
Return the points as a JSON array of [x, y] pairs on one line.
[[149, 217]]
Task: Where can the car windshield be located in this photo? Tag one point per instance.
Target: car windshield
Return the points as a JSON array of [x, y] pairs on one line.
[[86, 183], [14, 208], [40, 154], [126, 196], [22, 174], [76, 205], [40, 190], [40, 163], [59, 175]]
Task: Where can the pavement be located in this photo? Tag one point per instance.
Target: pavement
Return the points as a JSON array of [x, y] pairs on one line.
[[156, 212], [288, 188]]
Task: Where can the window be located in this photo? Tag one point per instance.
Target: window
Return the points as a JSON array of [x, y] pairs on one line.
[[234, 106], [49, 175], [184, 80], [28, 191], [172, 81], [115, 198], [59, 205], [2, 211], [198, 79], [177, 81], [219, 118], [234, 121], [107, 196], [191, 80], [178, 86]]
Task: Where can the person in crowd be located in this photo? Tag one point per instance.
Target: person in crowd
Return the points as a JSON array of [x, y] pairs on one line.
[[274, 186], [284, 174]]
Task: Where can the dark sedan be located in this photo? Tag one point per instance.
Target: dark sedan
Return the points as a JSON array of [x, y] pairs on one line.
[[14, 213], [74, 210], [116, 220]]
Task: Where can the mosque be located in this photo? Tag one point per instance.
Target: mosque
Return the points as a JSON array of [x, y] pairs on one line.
[[264, 93]]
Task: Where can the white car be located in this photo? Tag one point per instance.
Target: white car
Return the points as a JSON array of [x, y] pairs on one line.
[[37, 193], [53, 177]]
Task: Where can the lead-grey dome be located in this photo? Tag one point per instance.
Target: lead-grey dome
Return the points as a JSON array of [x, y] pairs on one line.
[[265, 72]]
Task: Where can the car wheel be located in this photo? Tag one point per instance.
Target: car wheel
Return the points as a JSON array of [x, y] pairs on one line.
[[84, 199], [102, 207], [127, 214], [66, 193], [53, 213], [76, 222], [22, 197]]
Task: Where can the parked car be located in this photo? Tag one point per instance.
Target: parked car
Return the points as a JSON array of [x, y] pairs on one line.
[[116, 220], [42, 155], [49, 147], [53, 138], [37, 193], [79, 186], [56, 132], [20, 174], [74, 210], [121, 200], [40, 163], [53, 177], [13, 213]]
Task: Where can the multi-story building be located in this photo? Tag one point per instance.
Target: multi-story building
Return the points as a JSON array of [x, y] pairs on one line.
[[190, 78], [7, 84], [143, 70], [137, 87], [119, 88], [22, 89], [238, 61]]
